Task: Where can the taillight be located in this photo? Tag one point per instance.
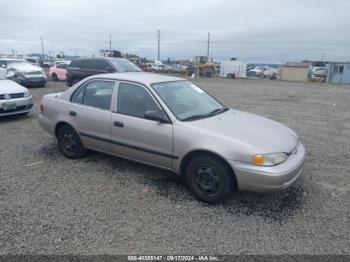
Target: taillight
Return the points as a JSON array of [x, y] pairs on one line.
[[41, 107]]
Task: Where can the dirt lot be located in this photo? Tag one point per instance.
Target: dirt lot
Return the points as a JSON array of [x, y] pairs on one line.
[[105, 205]]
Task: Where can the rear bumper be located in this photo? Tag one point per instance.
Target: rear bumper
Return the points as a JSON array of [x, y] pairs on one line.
[[269, 179], [23, 105], [47, 124]]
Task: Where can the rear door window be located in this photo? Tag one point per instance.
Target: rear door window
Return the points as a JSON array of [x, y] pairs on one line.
[[96, 93], [89, 64], [75, 63]]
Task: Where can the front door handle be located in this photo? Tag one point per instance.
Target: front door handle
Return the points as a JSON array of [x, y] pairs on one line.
[[118, 124], [72, 113]]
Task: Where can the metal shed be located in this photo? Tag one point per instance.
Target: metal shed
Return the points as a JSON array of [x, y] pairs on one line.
[[338, 72]]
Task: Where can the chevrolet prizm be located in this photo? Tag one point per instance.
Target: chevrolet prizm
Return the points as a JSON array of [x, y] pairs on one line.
[[171, 123]]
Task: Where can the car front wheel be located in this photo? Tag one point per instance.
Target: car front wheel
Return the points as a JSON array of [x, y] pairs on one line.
[[69, 142], [210, 179]]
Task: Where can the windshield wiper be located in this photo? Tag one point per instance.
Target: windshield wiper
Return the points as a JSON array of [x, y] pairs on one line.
[[212, 113], [218, 111], [195, 117]]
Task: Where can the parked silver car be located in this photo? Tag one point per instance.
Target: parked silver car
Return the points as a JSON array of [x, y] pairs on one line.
[[14, 98], [171, 123]]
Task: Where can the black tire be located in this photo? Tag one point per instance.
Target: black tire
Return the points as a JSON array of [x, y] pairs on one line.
[[54, 77], [210, 179], [75, 80], [69, 142]]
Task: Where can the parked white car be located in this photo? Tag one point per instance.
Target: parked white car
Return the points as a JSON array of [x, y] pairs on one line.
[[270, 72], [157, 67], [23, 72], [319, 71], [14, 98]]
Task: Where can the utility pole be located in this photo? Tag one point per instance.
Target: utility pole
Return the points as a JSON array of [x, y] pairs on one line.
[[110, 43], [158, 45], [322, 59], [42, 46], [208, 46]]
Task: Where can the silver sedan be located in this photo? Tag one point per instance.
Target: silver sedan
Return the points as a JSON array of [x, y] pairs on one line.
[[14, 98], [173, 124]]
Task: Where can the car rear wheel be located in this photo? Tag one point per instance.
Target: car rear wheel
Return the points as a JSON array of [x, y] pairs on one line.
[[69, 142], [209, 179], [54, 77]]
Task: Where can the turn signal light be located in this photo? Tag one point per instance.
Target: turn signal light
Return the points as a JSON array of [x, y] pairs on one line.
[[259, 160]]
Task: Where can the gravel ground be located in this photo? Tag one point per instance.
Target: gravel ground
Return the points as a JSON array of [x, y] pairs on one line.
[[105, 205]]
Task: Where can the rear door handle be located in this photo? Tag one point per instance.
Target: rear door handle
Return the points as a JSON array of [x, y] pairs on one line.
[[72, 113], [118, 124]]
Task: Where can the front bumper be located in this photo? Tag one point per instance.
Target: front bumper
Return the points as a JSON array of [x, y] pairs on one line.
[[23, 105], [251, 177], [33, 81]]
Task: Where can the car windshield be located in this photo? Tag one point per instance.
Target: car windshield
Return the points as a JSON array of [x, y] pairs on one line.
[[124, 65], [187, 101]]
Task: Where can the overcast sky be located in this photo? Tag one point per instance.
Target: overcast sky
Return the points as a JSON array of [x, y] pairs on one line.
[[252, 30]]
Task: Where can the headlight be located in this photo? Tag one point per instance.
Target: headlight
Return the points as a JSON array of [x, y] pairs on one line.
[[27, 94], [269, 159]]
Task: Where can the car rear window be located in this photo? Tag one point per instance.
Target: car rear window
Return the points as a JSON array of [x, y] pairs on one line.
[[123, 65], [62, 66]]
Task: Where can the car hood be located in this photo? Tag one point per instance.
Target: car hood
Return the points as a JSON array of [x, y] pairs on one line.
[[25, 67], [265, 135], [11, 87]]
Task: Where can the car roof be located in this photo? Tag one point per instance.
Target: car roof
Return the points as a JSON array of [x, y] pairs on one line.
[[140, 77], [100, 58], [12, 59]]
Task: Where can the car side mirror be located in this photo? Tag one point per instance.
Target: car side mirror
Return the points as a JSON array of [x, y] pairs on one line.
[[157, 116]]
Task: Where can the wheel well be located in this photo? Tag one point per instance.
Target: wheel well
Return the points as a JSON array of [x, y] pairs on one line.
[[59, 125], [191, 155]]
